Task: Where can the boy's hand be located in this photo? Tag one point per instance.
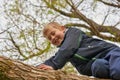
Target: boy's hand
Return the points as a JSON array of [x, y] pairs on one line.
[[44, 67]]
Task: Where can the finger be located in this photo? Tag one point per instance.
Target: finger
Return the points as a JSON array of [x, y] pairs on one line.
[[41, 66], [46, 68]]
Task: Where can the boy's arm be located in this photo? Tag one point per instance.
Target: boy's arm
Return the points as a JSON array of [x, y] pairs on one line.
[[48, 66], [55, 62]]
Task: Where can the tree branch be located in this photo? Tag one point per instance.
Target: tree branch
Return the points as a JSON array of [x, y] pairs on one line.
[[110, 4], [15, 70]]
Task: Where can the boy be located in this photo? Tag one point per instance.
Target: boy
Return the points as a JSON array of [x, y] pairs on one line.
[[90, 56]]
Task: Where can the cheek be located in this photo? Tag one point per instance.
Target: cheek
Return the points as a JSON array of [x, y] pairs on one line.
[[62, 36]]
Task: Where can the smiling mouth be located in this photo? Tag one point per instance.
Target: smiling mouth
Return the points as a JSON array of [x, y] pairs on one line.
[[56, 40]]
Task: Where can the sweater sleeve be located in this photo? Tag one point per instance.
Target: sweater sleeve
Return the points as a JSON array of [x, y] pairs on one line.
[[66, 51], [60, 59]]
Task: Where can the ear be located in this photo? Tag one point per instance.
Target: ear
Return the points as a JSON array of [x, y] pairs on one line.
[[63, 28]]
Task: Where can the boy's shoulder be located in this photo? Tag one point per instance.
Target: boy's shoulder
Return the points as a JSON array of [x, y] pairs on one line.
[[71, 38], [71, 29], [74, 30]]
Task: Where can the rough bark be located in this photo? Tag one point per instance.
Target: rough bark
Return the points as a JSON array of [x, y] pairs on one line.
[[15, 70]]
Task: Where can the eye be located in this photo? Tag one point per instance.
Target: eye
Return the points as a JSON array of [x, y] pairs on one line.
[[52, 33], [49, 38]]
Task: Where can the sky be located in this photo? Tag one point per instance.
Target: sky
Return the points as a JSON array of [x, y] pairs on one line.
[[2, 18]]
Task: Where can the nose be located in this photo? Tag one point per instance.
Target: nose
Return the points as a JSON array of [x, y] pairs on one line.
[[52, 37]]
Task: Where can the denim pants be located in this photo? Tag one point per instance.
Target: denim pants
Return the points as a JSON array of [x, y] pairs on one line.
[[109, 66]]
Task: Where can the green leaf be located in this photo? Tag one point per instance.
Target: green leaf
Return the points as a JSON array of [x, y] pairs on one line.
[[50, 12]]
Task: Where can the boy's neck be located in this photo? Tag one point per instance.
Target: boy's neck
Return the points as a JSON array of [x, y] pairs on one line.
[[65, 30]]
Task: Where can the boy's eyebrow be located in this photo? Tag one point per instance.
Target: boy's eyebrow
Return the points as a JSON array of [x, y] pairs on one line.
[[48, 34], [51, 32]]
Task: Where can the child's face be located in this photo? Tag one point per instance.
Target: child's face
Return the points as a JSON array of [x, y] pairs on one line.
[[55, 36]]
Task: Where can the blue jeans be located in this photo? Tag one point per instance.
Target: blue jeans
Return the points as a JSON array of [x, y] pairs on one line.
[[100, 68], [109, 67]]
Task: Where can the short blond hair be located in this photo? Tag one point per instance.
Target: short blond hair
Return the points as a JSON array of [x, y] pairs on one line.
[[51, 25]]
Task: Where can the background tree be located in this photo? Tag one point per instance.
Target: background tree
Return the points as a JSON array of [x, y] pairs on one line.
[[74, 9]]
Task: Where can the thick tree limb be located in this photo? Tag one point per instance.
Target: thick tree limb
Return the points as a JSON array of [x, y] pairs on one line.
[[15, 70]]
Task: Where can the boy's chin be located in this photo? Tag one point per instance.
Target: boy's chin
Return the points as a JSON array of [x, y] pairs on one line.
[[56, 44]]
